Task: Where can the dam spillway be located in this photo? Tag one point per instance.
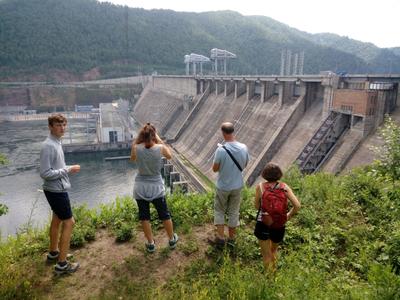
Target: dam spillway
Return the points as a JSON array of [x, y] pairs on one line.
[[275, 116]]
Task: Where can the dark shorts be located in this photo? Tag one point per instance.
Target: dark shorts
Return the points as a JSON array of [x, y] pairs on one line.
[[60, 204], [160, 205], [263, 232]]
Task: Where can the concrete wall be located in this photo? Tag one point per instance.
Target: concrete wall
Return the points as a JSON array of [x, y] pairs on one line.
[[289, 120], [186, 85]]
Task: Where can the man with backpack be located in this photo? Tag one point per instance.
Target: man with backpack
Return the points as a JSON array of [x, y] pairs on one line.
[[229, 161], [271, 200]]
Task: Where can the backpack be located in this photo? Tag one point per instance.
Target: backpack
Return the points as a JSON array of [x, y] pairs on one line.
[[274, 205]]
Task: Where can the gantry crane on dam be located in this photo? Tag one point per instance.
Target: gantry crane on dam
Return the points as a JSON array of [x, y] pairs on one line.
[[220, 57], [195, 59]]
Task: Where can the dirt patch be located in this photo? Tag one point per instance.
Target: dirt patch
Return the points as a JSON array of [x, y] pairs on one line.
[[103, 263]]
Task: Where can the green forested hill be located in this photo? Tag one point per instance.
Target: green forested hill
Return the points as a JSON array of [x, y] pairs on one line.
[[46, 36]]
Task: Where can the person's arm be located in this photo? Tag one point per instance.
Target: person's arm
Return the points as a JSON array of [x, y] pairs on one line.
[[133, 152], [215, 167], [46, 170], [158, 139], [257, 197], [247, 157], [166, 152], [217, 160], [295, 202]]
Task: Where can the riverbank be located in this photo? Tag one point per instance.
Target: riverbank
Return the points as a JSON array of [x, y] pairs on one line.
[[98, 182]]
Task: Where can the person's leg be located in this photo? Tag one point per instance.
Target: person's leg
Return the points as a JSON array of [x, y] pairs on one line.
[[265, 252], [148, 233], [163, 214], [220, 204], [220, 231], [169, 228], [232, 233], [65, 238], [62, 215], [144, 217], [270, 261], [54, 233], [233, 208]]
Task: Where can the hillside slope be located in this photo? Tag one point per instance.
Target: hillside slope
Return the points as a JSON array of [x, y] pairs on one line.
[[45, 37]]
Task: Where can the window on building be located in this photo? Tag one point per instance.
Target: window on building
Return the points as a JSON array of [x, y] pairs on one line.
[[346, 108], [113, 137]]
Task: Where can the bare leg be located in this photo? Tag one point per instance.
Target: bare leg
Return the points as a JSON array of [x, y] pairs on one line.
[[220, 231], [264, 252], [147, 230], [169, 228], [66, 232], [269, 251], [54, 230], [232, 233], [273, 254]]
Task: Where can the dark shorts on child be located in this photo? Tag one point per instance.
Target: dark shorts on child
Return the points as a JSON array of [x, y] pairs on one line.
[[160, 205], [263, 232], [60, 204]]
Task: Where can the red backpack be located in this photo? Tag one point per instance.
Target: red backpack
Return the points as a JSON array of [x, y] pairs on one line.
[[274, 205]]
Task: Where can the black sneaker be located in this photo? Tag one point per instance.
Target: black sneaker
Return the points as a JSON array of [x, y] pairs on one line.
[[150, 247], [66, 269], [173, 242], [217, 243], [53, 257], [231, 243]]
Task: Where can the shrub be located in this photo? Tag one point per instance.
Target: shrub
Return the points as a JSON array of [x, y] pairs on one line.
[[124, 232]]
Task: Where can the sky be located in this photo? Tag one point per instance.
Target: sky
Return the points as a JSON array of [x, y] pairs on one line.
[[377, 22]]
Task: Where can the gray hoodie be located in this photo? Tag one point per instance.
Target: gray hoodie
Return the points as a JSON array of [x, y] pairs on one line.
[[52, 166]]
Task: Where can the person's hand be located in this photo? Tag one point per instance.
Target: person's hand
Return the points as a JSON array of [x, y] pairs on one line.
[[75, 169]]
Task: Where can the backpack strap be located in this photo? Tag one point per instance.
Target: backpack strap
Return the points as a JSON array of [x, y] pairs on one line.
[[262, 192], [233, 158]]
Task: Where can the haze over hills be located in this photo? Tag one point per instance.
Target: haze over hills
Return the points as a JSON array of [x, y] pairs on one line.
[[85, 39]]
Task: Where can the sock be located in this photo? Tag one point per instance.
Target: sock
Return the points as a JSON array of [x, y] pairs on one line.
[[152, 242], [54, 253]]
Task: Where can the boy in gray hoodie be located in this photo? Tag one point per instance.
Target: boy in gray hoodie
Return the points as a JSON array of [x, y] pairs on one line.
[[55, 172]]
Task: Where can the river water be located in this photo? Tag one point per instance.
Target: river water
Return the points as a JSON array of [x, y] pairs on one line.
[[99, 181]]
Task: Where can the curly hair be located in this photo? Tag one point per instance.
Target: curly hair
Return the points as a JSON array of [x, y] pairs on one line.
[[272, 172]]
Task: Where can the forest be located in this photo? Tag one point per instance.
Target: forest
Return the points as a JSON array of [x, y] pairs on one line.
[[43, 37]]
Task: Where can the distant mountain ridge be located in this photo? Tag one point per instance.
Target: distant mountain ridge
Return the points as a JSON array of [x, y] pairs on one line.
[[41, 38]]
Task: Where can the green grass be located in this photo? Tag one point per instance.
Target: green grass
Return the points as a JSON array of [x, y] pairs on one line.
[[343, 244]]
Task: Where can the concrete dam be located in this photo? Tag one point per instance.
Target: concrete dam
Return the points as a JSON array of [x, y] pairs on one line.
[[318, 121]]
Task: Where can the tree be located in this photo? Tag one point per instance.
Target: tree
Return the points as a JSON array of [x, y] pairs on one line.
[[389, 152], [3, 208]]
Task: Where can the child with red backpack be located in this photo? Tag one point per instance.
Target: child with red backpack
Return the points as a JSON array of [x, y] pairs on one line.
[[271, 200]]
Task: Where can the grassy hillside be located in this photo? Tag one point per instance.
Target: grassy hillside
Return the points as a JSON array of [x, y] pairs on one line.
[[44, 37], [343, 244]]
